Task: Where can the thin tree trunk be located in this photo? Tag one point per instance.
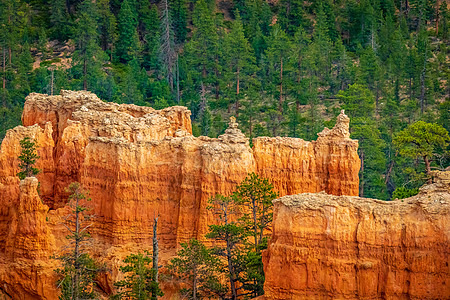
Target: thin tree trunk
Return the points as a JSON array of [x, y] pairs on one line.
[[229, 260], [51, 85], [422, 92], [250, 125], [437, 17], [178, 81], [194, 284], [388, 174], [85, 74], [255, 231], [237, 93], [231, 269], [428, 167], [155, 249], [377, 97], [281, 85], [155, 256], [410, 88], [76, 251], [4, 68]]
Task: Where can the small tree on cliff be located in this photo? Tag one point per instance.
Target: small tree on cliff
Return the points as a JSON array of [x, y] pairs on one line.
[[422, 140], [255, 194], [139, 282], [28, 158], [231, 234], [198, 268], [141, 274], [78, 268]]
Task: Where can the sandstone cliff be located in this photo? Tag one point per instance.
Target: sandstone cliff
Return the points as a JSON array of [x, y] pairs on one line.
[[344, 247], [139, 163]]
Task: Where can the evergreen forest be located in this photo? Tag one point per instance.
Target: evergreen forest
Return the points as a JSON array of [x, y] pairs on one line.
[[282, 68]]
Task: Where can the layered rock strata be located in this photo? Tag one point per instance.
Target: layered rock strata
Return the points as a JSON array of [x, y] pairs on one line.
[[139, 163], [342, 247]]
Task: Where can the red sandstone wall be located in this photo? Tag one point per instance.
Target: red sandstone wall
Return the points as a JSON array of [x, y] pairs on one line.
[[137, 163], [342, 247]]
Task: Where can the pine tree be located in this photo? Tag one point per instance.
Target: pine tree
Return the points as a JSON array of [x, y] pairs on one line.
[[357, 101], [179, 20], [359, 104], [202, 49], [239, 64], [128, 48], [60, 20], [150, 31], [107, 27], [422, 140], [277, 55], [78, 268], [231, 235], [28, 158], [198, 268], [321, 46], [370, 71], [88, 57], [373, 160], [138, 283], [443, 30], [254, 195], [167, 50], [422, 66], [292, 15]]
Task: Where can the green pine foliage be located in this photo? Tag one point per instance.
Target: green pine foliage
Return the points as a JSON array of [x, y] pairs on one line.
[[423, 140], [279, 68], [128, 48], [76, 276], [138, 283], [403, 192], [197, 267], [28, 158], [244, 220]]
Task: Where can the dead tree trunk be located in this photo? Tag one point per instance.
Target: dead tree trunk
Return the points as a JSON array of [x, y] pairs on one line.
[[155, 255]]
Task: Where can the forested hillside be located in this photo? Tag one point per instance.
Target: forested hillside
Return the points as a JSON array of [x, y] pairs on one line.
[[282, 68]]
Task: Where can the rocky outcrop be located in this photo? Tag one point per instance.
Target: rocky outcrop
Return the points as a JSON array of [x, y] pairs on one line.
[[139, 163], [343, 247], [26, 270], [330, 164]]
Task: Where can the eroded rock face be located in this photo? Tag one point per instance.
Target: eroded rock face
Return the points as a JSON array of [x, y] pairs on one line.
[[26, 270], [139, 163], [346, 247]]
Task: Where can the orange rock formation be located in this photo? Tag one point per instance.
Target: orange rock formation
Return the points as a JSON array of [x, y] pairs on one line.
[[341, 247], [139, 163]]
